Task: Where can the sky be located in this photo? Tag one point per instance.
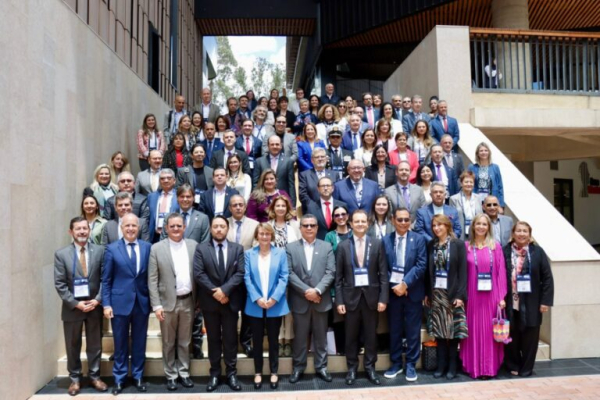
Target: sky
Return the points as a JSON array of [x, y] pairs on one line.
[[246, 49]]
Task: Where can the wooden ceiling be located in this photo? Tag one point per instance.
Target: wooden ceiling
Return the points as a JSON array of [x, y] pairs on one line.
[[256, 27], [543, 15]]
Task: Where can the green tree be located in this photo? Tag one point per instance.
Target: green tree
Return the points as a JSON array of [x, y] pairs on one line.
[[226, 65]]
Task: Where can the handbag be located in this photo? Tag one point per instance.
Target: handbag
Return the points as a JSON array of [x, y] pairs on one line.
[[501, 327], [429, 355]]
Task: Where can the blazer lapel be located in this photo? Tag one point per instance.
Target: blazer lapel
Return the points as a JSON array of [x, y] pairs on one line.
[[272, 272], [125, 255], [190, 228], [213, 254], [169, 257], [230, 261]]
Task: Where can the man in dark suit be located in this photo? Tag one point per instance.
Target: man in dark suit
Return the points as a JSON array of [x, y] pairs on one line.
[[147, 181], [352, 138], [161, 203], [445, 125], [338, 157], [405, 194], [126, 183], [307, 180], [249, 145], [173, 298], [219, 273], [330, 97], [289, 146], [437, 206], [451, 158], [409, 120], [198, 175], [210, 143], [372, 114], [196, 223], [312, 272], [111, 231], [407, 261], [126, 302], [219, 157], [280, 163], [172, 117], [214, 202], [441, 172], [323, 208], [209, 110], [357, 192], [77, 275], [399, 111], [362, 291], [501, 224]]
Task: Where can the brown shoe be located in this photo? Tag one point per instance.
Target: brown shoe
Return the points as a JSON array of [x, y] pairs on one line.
[[74, 388], [98, 385]]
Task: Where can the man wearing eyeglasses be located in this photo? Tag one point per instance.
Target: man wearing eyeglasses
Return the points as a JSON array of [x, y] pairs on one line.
[[126, 183], [501, 224], [322, 208], [405, 194], [290, 147], [312, 273], [307, 180], [407, 260], [357, 192]]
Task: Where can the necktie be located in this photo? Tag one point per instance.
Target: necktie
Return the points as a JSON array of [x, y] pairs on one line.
[[133, 257], [185, 219], [449, 160], [163, 203], [438, 172], [445, 124], [221, 258], [248, 145], [209, 149], [357, 193], [327, 214], [360, 252], [406, 196], [400, 252], [354, 141], [370, 116], [238, 232], [82, 261], [228, 154]]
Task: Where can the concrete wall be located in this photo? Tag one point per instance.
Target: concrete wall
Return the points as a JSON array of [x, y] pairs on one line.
[[67, 102]]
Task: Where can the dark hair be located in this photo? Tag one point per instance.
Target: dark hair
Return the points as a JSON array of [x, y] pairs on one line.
[[374, 156], [359, 211], [184, 188], [197, 145], [76, 220], [173, 215], [87, 196], [419, 180], [283, 98], [201, 118], [229, 99], [397, 210], [220, 217], [334, 224], [227, 124], [242, 96], [373, 214], [318, 100]]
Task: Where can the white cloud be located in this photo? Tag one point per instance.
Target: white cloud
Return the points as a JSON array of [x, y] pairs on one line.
[[279, 57], [259, 45]]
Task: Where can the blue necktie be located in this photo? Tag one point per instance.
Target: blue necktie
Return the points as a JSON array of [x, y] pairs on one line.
[[354, 141], [133, 257], [406, 196], [238, 233], [185, 220], [400, 252]]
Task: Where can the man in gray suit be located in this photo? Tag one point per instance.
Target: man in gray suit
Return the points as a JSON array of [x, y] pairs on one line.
[[405, 194], [172, 297], [111, 232], [281, 164], [198, 175], [77, 280], [196, 222], [148, 180], [290, 147], [126, 183], [172, 117], [451, 159], [207, 108], [501, 224], [312, 272]]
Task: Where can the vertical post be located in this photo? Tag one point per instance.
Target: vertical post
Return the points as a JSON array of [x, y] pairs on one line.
[[544, 63], [585, 65], [537, 63], [570, 65], [550, 62]]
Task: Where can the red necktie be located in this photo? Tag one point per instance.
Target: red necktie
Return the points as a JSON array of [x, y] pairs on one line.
[[445, 124], [248, 145], [327, 214]]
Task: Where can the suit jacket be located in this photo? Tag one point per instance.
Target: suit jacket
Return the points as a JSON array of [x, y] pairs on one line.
[[457, 273], [153, 206], [347, 140], [305, 154], [437, 129], [213, 111], [218, 156], [410, 119], [417, 199], [139, 207], [452, 187], [390, 175], [339, 164], [143, 183], [542, 285], [207, 205], [286, 179], [187, 175], [457, 200], [255, 150], [415, 262], [320, 276], [425, 216], [289, 145], [278, 279], [457, 165], [247, 232], [197, 228], [168, 123], [344, 191], [121, 285], [307, 185], [209, 276], [373, 231], [162, 280], [110, 232], [495, 176], [506, 225], [217, 144], [314, 208], [334, 100], [345, 291], [376, 115], [63, 279]]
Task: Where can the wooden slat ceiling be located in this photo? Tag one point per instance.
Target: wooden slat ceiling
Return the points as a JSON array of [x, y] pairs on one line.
[[256, 27], [543, 15]]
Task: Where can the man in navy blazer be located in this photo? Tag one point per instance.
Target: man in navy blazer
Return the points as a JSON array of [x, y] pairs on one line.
[[216, 201], [319, 207], [370, 111], [357, 192], [126, 301], [437, 206], [410, 119], [451, 158], [308, 180], [161, 203], [441, 172], [211, 144], [407, 261], [443, 124], [330, 97], [352, 137], [249, 144]]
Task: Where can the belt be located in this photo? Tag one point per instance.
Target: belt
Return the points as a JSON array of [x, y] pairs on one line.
[[185, 296]]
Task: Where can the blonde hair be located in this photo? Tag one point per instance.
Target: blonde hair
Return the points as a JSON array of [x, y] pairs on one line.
[[489, 240], [265, 226], [259, 191], [95, 184], [479, 147], [427, 139]]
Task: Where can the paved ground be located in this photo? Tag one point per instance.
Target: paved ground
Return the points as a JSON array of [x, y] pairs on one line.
[[564, 388]]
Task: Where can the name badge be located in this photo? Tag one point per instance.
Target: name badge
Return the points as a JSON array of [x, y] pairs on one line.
[[397, 275], [467, 226], [197, 194], [251, 162], [161, 220], [524, 283], [81, 288], [347, 158], [441, 280], [361, 277], [484, 282]]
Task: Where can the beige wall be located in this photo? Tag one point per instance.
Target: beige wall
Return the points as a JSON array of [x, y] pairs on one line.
[[66, 103]]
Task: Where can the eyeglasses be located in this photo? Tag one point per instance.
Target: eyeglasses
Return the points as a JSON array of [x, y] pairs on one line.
[[237, 205], [402, 219], [406, 101], [492, 205], [340, 215], [341, 106], [281, 122], [309, 225]]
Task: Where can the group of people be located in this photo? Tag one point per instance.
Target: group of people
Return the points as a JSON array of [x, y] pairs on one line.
[[385, 230]]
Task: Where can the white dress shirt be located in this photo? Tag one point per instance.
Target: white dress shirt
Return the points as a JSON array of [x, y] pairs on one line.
[[309, 249], [181, 264], [438, 210], [224, 243], [219, 197]]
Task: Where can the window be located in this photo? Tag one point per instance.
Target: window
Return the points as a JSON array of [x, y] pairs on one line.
[[153, 59], [563, 198], [174, 14]]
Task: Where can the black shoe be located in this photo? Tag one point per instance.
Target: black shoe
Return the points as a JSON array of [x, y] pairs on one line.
[[140, 385], [198, 355], [118, 388], [213, 383], [171, 385], [451, 374], [257, 385], [373, 377], [186, 382], [111, 357], [233, 383], [438, 374], [295, 376], [274, 385], [350, 377], [323, 374], [248, 351]]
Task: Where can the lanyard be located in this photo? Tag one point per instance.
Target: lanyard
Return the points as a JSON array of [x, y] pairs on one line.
[[524, 271], [367, 247], [379, 228], [491, 260]]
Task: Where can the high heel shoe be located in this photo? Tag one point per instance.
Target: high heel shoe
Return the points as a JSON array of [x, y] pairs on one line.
[[257, 385], [275, 384]]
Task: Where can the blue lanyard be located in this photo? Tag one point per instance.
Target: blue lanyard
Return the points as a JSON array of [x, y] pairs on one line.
[[491, 260], [367, 247]]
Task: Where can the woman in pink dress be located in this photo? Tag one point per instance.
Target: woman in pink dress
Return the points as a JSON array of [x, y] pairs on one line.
[[486, 288]]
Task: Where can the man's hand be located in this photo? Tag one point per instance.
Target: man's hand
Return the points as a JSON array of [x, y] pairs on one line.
[[224, 300], [400, 289], [262, 303], [218, 294], [160, 314], [381, 307], [108, 312], [270, 303], [341, 309], [312, 295]]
